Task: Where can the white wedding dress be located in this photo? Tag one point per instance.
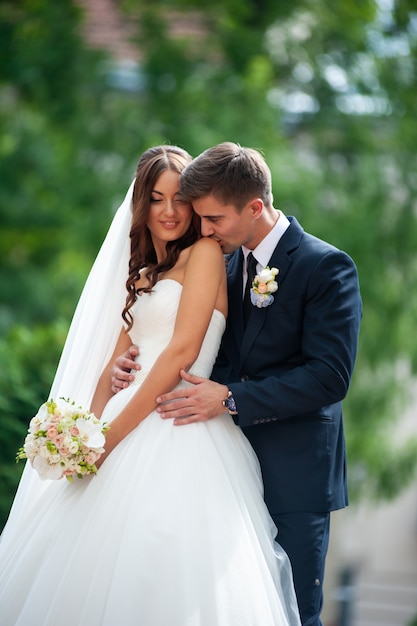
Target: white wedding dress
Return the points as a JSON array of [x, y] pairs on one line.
[[173, 530]]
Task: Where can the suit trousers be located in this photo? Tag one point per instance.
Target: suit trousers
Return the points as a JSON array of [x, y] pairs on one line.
[[305, 538]]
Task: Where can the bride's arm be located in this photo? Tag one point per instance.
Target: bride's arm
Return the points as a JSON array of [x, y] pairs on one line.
[[204, 275], [103, 391]]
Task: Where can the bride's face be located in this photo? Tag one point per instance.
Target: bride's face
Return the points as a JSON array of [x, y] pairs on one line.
[[169, 217]]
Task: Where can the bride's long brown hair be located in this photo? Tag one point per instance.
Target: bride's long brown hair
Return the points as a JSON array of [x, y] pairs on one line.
[[151, 165]]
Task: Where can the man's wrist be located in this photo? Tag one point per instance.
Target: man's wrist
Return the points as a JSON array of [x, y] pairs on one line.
[[229, 404]]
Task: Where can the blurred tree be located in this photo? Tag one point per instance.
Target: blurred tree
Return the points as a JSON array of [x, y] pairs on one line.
[[25, 380], [53, 154]]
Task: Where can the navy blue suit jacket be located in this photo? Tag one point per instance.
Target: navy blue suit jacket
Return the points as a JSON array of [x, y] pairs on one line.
[[291, 367]]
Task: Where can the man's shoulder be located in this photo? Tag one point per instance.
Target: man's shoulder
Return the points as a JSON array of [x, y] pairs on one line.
[[310, 242]]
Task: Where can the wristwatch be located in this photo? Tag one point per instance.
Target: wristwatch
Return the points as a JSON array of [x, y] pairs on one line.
[[230, 404]]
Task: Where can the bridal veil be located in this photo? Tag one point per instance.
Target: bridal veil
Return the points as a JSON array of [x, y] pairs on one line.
[[91, 339]]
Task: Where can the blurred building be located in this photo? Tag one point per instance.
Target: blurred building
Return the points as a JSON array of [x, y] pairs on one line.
[[105, 28]]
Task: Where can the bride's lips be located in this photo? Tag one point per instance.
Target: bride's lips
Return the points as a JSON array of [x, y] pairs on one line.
[[169, 225]]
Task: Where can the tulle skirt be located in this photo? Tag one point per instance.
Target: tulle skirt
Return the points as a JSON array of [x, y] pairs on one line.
[[173, 531]]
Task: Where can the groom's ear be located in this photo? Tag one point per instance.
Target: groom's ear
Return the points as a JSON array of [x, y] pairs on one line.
[[256, 207]]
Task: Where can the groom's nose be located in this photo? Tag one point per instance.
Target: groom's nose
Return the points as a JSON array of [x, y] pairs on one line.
[[206, 228]]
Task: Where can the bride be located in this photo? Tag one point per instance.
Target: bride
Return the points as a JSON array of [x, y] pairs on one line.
[[173, 529]]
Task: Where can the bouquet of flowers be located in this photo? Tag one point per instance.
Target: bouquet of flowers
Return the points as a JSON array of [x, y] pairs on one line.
[[63, 440]]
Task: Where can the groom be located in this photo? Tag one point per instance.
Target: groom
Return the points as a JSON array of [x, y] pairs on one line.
[[284, 368]]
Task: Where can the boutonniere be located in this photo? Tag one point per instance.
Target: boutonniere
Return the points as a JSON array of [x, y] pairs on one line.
[[263, 286]]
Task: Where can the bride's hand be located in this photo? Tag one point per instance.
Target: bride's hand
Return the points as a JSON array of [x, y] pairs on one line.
[[100, 461], [112, 439], [120, 371]]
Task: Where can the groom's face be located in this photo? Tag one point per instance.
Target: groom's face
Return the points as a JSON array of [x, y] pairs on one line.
[[225, 224]]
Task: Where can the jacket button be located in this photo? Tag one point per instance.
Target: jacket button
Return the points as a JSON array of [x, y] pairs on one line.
[[244, 378]]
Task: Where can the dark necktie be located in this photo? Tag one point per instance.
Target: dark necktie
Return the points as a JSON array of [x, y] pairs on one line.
[[247, 305]]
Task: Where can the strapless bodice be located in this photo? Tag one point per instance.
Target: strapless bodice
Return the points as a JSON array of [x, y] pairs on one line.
[[154, 317]]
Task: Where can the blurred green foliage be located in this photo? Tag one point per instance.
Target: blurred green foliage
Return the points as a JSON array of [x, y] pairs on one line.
[[326, 91]]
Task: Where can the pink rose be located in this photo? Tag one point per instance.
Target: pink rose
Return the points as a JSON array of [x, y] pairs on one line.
[[90, 458], [262, 288], [64, 451], [74, 431], [59, 440], [52, 432]]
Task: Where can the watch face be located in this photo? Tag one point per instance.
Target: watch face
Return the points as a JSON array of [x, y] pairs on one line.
[[230, 404]]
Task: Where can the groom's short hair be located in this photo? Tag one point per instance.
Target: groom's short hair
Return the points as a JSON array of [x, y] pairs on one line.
[[232, 174]]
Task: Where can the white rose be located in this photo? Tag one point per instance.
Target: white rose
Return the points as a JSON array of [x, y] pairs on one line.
[[267, 275], [44, 452], [73, 447], [72, 465], [272, 286], [31, 448], [67, 442], [34, 424], [264, 276], [64, 463], [66, 422]]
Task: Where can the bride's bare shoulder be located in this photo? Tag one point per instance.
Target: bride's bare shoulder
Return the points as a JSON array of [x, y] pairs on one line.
[[206, 247]]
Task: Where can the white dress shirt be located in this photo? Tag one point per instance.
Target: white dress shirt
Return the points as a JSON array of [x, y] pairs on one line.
[[265, 249]]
